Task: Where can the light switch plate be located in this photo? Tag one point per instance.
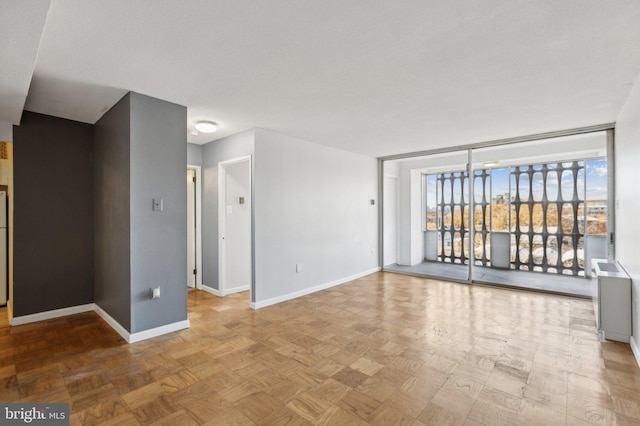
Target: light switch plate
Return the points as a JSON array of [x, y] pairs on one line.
[[158, 204]]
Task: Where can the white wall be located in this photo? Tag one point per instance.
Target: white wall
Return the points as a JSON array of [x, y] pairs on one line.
[[411, 236], [627, 176], [312, 207], [390, 218], [6, 132], [390, 206]]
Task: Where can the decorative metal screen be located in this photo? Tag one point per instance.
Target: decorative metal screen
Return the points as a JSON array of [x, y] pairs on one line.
[[546, 212], [547, 221], [482, 215], [453, 217]]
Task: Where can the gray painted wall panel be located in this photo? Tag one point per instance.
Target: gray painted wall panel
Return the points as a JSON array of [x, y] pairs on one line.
[[158, 239], [53, 238], [238, 145], [194, 154], [111, 212]]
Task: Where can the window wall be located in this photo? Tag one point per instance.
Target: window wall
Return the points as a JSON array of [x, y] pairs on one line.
[[540, 207]]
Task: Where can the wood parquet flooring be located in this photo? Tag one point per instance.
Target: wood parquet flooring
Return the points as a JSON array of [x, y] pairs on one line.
[[385, 349]]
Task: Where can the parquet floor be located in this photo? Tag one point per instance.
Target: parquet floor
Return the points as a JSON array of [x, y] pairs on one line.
[[384, 350]]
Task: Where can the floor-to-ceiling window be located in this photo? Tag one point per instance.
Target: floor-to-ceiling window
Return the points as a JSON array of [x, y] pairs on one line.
[[527, 214]]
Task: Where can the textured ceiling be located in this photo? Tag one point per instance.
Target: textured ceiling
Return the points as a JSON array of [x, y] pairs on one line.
[[374, 77], [21, 24]]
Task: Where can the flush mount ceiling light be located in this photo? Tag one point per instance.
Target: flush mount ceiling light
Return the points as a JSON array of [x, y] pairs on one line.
[[206, 126], [490, 163]]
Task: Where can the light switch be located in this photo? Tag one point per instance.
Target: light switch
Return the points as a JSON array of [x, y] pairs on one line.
[[229, 209], [158, 204]]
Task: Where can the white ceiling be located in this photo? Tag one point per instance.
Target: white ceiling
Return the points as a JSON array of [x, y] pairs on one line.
[[21, 24], [375, 77]]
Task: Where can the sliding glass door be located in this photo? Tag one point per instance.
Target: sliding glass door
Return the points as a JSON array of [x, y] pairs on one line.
[[528, 214], [426, 206]]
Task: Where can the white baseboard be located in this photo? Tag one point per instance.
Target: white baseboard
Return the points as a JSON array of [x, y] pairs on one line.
[[113, 323], [128, 337], [296, 294], [635, 349], [159, 331], [141, 335], [211, 290], [227, 291], [56, 313]]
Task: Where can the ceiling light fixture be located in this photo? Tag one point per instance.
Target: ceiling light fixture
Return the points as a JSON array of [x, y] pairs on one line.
[[206, 126], [490, 163]]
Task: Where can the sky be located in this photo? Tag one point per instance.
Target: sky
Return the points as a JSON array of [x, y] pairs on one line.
[[596, 188]]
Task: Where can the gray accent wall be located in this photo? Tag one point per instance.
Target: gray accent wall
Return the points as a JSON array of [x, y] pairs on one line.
[[140, 155], [53, 238], [194, 154], [228, 148], [158, 239], [112, 212]]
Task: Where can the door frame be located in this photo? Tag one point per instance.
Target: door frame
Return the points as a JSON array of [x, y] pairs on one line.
[[198, 170], [222, 221]]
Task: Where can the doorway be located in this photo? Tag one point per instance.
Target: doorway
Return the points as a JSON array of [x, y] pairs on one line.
[[234, 226], [194, 242]]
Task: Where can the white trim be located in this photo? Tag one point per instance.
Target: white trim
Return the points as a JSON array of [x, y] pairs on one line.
[[112, 322], [635, 349], [199, 267], [159, 331], [129, 338], [211, 290], [295, 294], [222, 216], [236, 290], [56, 313], [141, 335], [223, 293]]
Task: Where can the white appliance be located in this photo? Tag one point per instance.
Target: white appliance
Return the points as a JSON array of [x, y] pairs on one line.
[[612, 300], [3, 248]]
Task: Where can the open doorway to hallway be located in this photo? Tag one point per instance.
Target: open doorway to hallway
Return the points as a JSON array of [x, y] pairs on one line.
[[194, 226]]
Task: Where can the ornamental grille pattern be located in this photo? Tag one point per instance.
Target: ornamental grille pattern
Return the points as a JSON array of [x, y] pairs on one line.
[[560, 234], [453, 217], [546, 217]]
